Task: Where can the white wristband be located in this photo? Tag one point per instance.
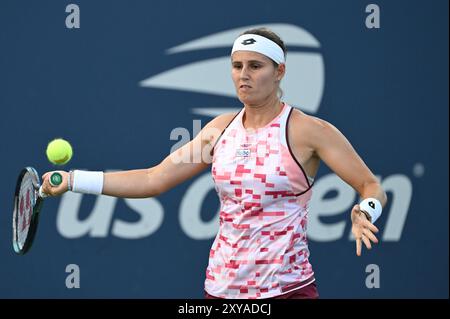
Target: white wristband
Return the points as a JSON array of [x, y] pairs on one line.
[[371, 206], [87, 182]]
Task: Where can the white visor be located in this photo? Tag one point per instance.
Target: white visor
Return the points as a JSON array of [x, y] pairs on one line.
[[260, 44]]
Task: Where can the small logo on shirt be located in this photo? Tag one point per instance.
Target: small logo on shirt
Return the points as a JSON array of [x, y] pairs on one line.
[[242, 152]]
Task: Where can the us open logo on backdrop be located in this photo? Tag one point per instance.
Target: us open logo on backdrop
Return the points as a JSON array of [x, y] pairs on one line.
[[302, 85]]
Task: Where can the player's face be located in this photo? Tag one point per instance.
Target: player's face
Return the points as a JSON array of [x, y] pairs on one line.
[[256, 78]]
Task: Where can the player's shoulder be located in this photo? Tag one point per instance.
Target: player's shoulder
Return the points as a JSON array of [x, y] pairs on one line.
[[311, 128], [222, 120], [305, 122]]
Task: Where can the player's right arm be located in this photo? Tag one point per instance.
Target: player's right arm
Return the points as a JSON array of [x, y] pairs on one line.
[[179, 166]]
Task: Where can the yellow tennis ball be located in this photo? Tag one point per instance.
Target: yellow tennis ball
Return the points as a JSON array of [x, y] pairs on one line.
[[59, 151]]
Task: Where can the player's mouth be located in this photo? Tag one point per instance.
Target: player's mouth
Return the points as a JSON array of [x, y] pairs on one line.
[[244, 87]]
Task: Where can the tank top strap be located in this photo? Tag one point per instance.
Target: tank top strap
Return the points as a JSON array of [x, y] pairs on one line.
[[283, 124]]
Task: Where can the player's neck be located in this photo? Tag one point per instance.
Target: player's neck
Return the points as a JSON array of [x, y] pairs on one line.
[[257, 116]]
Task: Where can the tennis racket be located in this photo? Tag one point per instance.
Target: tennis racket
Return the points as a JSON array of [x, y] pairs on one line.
[[28, 200]]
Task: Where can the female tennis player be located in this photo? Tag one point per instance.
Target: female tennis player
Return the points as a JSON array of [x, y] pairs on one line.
[[264, 160]]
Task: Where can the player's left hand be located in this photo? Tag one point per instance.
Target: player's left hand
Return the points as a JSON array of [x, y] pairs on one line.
[[362, 229]]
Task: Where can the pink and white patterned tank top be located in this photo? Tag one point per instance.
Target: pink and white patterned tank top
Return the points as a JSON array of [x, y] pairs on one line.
[[261, 249]]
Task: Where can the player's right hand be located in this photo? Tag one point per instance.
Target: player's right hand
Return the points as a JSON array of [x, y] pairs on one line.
[[362, 229], [58, 190]]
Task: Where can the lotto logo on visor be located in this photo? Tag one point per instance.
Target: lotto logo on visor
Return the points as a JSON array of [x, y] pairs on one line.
[[248, 41]]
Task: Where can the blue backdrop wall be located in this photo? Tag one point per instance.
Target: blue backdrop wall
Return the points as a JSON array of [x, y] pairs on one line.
[[137, 77]]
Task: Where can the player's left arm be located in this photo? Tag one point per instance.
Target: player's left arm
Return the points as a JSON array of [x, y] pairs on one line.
[[333, 148]]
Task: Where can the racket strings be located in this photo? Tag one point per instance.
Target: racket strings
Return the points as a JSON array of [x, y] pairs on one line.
[[26, 198]]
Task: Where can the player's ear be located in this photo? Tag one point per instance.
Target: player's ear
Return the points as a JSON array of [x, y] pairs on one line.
[[281, 71]]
